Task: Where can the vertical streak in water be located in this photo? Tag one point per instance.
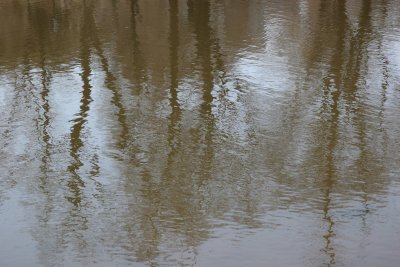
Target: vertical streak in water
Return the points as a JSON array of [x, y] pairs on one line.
[[199, 16], [115, 12], [23, 81], [386, 75], [358, 50], [175, 115], [138, 62], [43, 127], [76, 182], [76, 222], [142, 227], [111, 84], [45, 108], [332, 90]]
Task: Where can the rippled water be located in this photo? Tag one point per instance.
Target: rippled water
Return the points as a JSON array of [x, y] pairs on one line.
[[199, 133]]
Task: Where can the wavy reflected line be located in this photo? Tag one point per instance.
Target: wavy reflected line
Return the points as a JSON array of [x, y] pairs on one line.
[[75, 224], [45, 127], [347, 76], [332, 92], [44, 124], [111, 84], [43, 121], [366, 157], [76, 183]]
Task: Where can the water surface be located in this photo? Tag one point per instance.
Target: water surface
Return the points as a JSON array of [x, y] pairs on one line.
[[199, 133]]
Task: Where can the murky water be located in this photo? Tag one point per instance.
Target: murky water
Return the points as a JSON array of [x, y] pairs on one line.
[[199, 133]]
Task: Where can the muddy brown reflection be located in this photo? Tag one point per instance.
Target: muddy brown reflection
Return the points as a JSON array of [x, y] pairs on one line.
[[199, 133]]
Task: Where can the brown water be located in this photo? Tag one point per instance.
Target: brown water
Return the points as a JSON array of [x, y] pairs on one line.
[[199, 133]]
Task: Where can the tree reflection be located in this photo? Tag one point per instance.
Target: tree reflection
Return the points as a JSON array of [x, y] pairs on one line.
[[76, 183], [161, 147]]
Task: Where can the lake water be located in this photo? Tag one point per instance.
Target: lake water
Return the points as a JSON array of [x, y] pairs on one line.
[[200, 133]]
